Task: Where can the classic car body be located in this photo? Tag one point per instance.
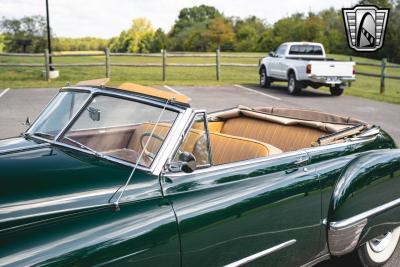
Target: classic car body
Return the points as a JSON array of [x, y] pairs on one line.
[[270, 186]]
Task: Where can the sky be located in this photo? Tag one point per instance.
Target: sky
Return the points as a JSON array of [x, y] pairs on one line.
[[107, 18]]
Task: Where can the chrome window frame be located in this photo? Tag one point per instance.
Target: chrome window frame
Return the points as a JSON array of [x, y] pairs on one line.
[[155, 168], [185, 131]]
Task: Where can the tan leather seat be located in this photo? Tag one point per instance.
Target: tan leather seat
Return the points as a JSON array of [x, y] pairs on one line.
[[227, 148], [224, 148], [284, 137]]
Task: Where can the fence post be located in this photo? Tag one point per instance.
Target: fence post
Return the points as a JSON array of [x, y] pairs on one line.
[[47, 65], [164, 64], [218, 63], [351, 59], [107, 53], [383, 74]]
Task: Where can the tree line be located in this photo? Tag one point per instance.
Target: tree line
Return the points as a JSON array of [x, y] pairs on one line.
[[205, 28]]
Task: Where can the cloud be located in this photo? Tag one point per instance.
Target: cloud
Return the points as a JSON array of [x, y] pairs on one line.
[[107, 18]]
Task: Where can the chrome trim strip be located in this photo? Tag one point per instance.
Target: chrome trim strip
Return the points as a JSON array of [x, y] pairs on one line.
[[19, 149], [261, 254], [355, 219]]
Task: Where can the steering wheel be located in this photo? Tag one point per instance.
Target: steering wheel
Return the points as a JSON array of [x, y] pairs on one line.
[[147, 153]]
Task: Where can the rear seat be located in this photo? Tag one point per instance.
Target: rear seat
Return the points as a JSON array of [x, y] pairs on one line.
[[227, 148], [284, 137]]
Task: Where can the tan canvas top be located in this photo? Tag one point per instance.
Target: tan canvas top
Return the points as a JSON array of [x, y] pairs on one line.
[[140, 89], [137, 88]]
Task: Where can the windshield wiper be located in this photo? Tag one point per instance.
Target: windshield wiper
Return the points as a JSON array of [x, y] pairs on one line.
[[83, 146]]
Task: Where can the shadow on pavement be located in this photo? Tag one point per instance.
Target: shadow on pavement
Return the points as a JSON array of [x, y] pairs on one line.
[[347, 260], [282, 90]]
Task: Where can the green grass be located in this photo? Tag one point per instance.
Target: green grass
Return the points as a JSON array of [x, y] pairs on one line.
[[30, 77]]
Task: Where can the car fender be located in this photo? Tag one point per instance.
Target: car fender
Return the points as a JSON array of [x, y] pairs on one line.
[[364, 200]]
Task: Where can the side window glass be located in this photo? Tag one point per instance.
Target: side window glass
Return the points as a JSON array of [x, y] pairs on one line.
[[196, 142], [281, 50]]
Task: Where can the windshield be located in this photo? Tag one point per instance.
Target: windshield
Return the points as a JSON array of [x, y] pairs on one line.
[[57, 114], [121, 129]]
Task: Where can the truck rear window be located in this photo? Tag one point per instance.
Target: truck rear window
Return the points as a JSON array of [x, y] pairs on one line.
[[307, 50]]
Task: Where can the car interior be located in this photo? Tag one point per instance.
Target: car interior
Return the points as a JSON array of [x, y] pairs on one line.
[[235, 134]]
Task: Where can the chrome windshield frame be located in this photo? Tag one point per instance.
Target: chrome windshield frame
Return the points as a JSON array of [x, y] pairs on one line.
[[183, 113]]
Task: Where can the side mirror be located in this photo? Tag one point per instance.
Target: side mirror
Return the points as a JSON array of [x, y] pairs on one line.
[[272, 54], [94, 114], [187, 163]]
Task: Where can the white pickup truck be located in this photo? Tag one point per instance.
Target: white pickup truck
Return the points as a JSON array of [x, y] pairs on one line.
[[304, 64]]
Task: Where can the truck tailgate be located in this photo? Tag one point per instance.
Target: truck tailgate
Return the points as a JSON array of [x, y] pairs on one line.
[[331, 68]]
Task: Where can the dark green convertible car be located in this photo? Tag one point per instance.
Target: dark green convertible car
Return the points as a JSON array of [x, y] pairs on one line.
[[134, 176]]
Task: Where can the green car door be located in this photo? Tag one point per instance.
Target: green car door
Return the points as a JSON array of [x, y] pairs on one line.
[[263, 211]]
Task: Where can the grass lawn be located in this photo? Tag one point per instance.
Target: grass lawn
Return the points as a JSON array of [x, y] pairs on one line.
[[31, 77]]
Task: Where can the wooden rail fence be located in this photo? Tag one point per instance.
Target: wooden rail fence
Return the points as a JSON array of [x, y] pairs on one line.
[[164, 55], [108, 64]]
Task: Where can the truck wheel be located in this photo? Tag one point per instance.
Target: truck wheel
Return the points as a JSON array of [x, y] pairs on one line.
[[293, 85], [337, 90], [265, 81], [381, 249]]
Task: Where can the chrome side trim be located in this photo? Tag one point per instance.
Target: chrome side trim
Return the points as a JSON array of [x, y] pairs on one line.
[[12, 150], [261, 254], [344, 240], [353, 220]]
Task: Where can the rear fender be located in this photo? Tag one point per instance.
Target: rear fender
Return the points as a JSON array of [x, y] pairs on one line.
[[366, 200]]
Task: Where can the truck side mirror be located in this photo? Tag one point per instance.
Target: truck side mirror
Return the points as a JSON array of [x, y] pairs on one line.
[[272, 54]]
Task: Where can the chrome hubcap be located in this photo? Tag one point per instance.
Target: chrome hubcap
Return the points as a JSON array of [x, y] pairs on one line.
[[291, 84], [262, 78], [380, 243]]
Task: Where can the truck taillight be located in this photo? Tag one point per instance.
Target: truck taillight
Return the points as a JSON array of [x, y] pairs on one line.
[[354, 70], [308, 70]]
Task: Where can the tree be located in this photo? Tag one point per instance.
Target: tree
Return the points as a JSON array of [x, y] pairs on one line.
[[159, 41], [27, 34], [248, 32], [137, 39], [140, 33], [219, 32], [2, 44], [189, 17]]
